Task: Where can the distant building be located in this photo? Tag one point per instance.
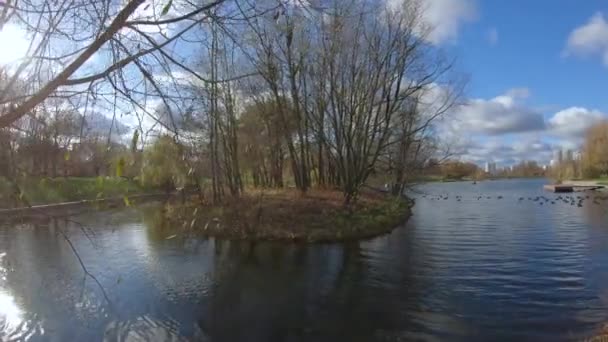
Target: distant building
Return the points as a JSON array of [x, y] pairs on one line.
[[490, 168], [558, 156]]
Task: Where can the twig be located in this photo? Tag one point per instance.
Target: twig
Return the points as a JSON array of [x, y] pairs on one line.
[[84, 268]]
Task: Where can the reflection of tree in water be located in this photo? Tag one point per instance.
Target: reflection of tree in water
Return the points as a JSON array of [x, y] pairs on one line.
[[258, 293], [160, 231], [197, 289], [268, 291], [51, 289], [372, 292], [157, 226], [47, 281], [144, 328]]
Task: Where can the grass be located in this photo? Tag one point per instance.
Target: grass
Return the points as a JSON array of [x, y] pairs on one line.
[[600, 180], [56, 190], [318, 216]]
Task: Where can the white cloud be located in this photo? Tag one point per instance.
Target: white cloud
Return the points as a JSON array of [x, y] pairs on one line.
[[492, 36], [590, 39], [507, 150], [507, 130], [565, 129], [447, 16], [573, 122], [444, 18], [179, 78], [500, 115], [519, 93], [97, 123], [503, 129]]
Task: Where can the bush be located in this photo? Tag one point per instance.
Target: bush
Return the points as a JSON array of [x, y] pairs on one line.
[[162, 164]]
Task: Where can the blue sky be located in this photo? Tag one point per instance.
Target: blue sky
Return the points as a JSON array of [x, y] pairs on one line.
[[532, 37], [525, 60]]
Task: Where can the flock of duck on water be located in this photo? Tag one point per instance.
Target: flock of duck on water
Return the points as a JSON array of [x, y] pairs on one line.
[[578, 200]]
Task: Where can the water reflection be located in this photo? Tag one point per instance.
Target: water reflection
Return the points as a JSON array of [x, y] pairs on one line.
[[459, 271], [10, 314], [14, 326], [143, 328]]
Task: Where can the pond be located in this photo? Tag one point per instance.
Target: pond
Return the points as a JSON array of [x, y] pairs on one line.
[[474, 262]]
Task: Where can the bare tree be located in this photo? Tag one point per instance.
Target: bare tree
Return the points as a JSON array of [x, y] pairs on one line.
[[346, 82], [100, 48], [376, 65]]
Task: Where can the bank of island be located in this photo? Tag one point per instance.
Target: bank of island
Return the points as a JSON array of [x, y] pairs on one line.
[[288, 215]]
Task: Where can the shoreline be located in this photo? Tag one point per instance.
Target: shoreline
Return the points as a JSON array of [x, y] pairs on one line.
[[317, 217], [424, 181], [67, 208], [586, 182], [268, 215]]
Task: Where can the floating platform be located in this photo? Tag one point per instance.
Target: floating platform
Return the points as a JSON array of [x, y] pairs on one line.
[[571, 187]]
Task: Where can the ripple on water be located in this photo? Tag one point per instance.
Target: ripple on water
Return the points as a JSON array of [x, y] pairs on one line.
[[491, 269]]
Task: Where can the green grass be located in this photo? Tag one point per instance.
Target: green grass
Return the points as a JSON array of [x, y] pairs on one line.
[[57, 190], [367, 222], [600, 180]]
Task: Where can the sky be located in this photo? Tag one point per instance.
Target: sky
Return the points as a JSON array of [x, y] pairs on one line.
[[537, 74]]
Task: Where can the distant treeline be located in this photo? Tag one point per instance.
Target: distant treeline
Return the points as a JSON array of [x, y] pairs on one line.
[[458, 170]]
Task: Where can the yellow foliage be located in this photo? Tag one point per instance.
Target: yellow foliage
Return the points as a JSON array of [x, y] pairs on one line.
[[595, 150], [163, 164]]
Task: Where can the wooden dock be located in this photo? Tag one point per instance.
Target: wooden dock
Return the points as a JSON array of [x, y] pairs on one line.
[[572, 187]]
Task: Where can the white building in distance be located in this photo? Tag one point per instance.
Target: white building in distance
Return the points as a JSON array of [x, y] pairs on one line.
[[490, 168], [558, 156]]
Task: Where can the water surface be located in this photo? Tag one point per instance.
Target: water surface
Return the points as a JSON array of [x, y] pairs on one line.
[[462, 268]]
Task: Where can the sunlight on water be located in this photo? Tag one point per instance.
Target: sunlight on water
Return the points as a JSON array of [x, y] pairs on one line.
[[144, 328], [12, 323], [11, 316], [10, 313]]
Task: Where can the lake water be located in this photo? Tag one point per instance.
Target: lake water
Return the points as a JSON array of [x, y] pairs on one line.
[[463, 268]]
